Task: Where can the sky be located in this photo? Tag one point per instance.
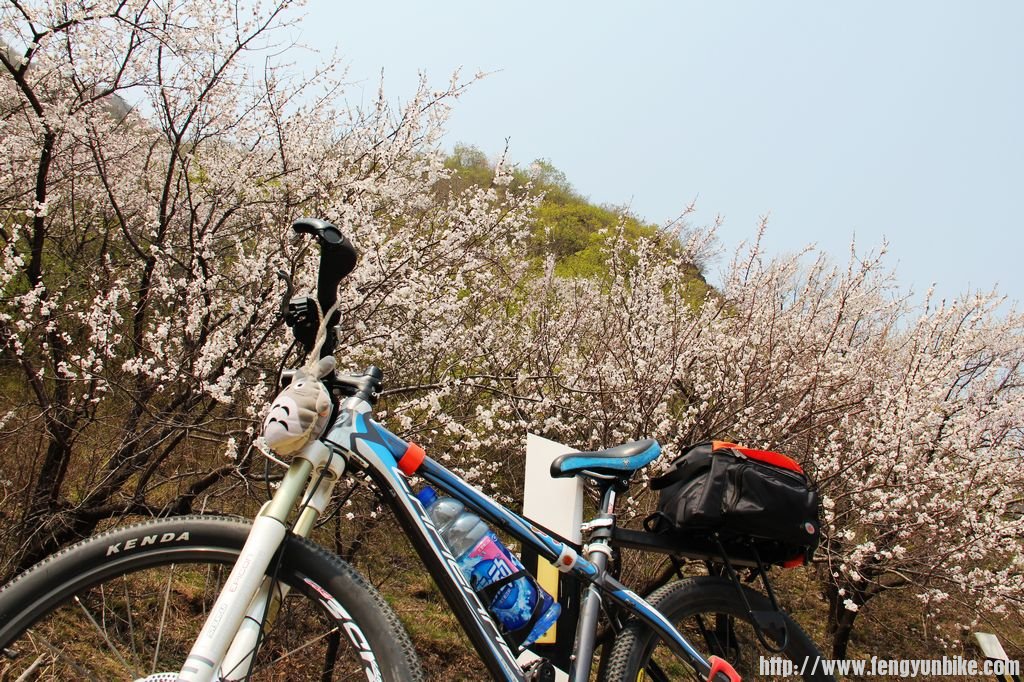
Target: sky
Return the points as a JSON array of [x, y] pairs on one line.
[[875, 121]]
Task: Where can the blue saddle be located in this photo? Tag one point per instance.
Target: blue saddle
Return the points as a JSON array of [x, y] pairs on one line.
[[618, 462]]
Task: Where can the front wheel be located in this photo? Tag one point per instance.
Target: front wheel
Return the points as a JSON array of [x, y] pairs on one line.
[[710, 613], [128, 604]]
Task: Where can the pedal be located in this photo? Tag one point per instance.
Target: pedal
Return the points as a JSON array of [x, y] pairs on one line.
[[720, 666]]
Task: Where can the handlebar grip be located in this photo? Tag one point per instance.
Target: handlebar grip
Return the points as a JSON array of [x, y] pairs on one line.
[[337, 260]]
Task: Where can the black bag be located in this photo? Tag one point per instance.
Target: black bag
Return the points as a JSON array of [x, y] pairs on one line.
[[750, 498]]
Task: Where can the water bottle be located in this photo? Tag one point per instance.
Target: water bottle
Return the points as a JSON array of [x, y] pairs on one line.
[[484, 560]]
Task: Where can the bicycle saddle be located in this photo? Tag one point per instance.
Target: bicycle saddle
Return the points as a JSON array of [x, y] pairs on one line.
[[618, 462]]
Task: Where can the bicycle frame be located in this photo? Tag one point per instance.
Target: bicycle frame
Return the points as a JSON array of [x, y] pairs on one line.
[[356, 441]]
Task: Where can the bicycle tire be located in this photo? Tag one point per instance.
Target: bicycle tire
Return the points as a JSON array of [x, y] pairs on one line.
[[710, 613], [89, 611]]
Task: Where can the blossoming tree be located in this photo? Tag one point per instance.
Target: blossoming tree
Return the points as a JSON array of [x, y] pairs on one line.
[[151, 172]]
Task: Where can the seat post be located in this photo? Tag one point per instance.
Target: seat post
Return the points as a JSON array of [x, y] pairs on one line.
[[607, 490], [598, 551]]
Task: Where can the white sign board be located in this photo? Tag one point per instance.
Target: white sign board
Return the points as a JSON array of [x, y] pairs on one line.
[[555, 503]]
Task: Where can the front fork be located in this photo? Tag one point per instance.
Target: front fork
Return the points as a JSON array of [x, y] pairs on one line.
[[247, 605]]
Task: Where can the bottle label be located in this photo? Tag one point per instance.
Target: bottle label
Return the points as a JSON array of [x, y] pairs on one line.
[[489, 562]]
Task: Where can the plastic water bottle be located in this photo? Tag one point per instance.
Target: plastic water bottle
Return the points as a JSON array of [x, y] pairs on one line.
[[484, 560]]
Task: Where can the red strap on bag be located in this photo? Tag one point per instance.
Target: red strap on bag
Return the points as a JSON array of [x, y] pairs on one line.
[[766, 456], [795, 562]]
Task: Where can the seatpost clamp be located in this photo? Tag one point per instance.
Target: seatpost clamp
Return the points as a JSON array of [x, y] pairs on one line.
[[601, 522]]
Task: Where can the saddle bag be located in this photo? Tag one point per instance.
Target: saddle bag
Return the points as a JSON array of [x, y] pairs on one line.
[[744, 499]]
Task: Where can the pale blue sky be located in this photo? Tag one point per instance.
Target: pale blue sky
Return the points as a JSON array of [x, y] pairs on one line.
[[898, 120]]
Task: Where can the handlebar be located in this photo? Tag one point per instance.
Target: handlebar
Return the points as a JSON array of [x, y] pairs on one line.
[[337, 260]]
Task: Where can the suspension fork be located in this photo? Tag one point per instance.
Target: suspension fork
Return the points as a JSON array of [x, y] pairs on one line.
[[247, 605]]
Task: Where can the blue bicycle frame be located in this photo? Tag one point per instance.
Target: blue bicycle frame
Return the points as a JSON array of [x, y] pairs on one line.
[[389, 461]]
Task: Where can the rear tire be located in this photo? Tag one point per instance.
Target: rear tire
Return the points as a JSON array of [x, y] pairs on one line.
[[709, 612], [128, 604]]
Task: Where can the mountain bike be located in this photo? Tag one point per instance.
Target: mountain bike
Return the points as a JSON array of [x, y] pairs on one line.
[[213, 598]]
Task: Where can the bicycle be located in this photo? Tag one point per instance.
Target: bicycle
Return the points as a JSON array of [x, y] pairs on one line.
[[126, 604]]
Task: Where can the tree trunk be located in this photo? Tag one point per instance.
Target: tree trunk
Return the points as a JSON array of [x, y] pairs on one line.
[[841, 634], [840, 618]]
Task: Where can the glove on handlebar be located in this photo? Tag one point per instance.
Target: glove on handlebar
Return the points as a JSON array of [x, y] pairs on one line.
[[301, 411]]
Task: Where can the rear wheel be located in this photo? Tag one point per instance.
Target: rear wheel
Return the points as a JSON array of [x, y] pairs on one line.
[[128, 604], [709, 612]]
